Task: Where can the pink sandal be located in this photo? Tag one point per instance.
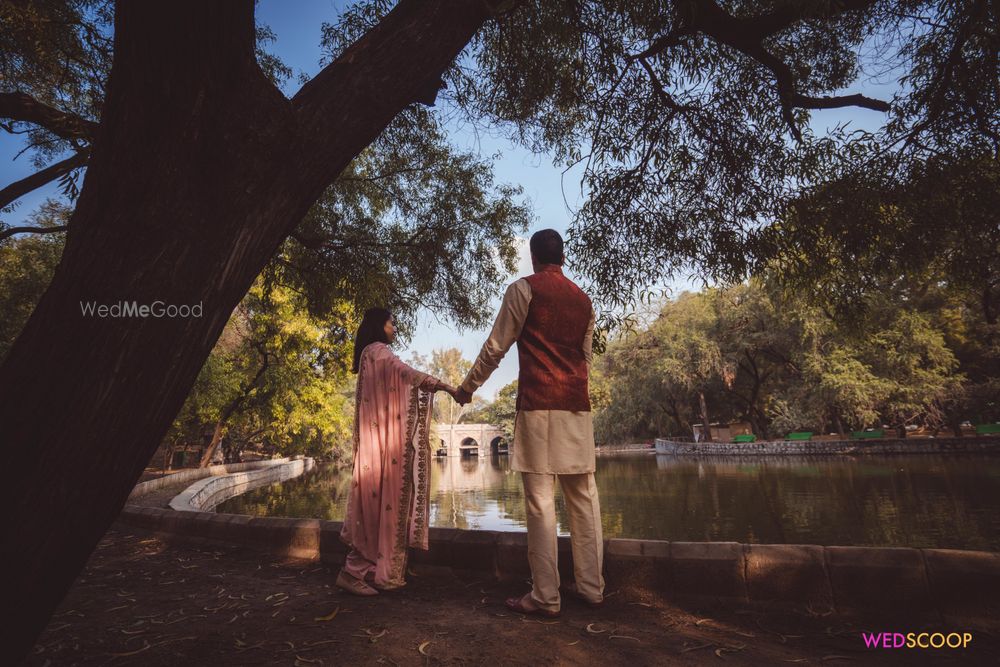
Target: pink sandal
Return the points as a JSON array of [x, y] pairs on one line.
[[353, 585]]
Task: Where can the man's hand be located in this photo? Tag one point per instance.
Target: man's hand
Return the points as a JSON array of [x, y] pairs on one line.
[[462, 397], [445, 387]]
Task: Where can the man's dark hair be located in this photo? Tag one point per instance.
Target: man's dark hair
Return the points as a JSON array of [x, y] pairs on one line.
[[372, 330], [547, 247]]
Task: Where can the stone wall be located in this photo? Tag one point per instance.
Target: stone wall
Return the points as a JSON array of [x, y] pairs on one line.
[[978, 445], [205, 494], [953, 586], [192, 474]]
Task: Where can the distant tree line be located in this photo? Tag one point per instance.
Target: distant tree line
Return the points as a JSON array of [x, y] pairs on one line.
[[924, 356]]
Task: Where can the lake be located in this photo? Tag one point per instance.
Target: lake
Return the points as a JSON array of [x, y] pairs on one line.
[[916, 501]]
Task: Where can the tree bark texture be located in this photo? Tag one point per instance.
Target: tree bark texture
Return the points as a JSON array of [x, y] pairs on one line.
[[707, 428], [200, 168]]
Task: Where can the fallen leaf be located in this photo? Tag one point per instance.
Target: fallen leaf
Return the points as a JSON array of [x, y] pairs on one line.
[[591, 630], [623, 637], [696, 648], [329, 617], [135, 652], [422, 648], [573, 643], [247, 647]]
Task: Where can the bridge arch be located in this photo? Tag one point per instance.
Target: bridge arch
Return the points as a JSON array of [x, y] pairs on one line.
[[468, 439], [469, 447], [498, 445]]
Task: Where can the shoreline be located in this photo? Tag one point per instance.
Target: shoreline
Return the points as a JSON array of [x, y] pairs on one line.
[[964, 445]]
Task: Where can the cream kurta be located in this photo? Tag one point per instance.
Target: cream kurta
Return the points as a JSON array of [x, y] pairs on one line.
[[557, 442]]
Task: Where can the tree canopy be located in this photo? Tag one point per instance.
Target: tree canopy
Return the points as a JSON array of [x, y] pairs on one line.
[[691, 119], [782, 364]]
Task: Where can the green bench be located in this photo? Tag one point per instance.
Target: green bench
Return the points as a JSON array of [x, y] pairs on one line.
[[749, 437], [867, 435], [984, 429], [799, 435]]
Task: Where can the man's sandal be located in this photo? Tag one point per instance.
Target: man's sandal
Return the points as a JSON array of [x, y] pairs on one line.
[[575, 592], [518, 605], [353, 585]]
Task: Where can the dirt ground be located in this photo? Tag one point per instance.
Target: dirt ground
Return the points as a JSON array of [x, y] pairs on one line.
[[142, 601]]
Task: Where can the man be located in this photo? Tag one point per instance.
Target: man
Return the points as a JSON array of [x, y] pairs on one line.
[[552, 321]]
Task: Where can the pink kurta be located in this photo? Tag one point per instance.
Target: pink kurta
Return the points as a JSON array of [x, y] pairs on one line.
[[387, 510]]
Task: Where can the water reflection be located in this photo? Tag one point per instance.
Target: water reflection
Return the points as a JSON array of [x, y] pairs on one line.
[[919, 501]]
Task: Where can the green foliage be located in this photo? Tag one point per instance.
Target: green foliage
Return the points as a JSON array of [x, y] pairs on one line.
[[862, 234], [649, 381], [500, 412], [410, 223], [27, 264], [59, 53], [449, 366], [784, 365], [691, 119], [277, 379]]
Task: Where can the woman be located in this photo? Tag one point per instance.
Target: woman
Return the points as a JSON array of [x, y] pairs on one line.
[[387, 510]]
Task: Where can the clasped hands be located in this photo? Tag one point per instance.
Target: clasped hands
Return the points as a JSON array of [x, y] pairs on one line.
[[461, 396]]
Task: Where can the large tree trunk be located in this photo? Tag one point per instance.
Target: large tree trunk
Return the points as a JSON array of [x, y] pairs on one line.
[[703, 407], [230, 410], [199, 170], [206, 458]]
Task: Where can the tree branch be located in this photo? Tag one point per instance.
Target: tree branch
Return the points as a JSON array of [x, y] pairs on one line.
[[24, 108], [18, 189], [397, 63], [836, 102], [748, 35], [11, 231]]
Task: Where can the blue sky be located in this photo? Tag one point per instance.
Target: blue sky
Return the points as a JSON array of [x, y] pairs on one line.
[[297, 27]]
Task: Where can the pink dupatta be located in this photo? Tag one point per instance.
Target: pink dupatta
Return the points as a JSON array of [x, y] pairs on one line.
[[387, 509]]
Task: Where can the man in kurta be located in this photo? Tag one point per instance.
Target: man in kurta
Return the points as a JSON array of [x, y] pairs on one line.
[[552, 321]]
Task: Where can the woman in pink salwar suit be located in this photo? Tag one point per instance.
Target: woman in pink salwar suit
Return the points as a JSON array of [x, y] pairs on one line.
[[387, 509]]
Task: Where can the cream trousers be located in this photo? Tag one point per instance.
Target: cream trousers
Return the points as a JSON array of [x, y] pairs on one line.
[[583, 507]]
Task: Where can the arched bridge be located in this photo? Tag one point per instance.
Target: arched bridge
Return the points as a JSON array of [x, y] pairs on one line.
[[470, 440]]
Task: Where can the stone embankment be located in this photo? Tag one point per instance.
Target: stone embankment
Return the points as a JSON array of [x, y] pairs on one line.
[[957, 586], [967, 445]]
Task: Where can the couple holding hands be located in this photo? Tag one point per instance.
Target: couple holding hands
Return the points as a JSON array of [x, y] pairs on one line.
[[552, 321]]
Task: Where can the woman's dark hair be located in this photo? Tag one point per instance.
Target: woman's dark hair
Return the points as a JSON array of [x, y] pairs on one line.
[[547, 247], [372, 330]]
